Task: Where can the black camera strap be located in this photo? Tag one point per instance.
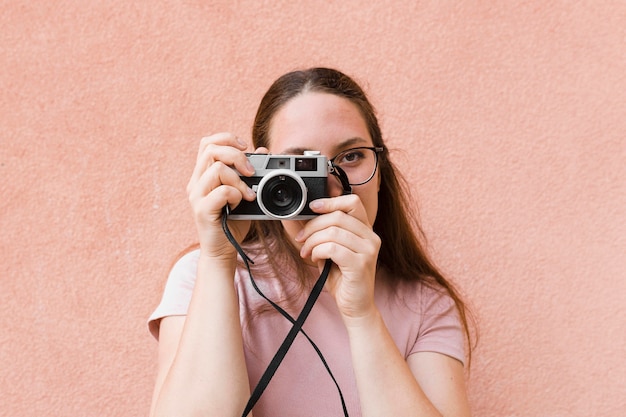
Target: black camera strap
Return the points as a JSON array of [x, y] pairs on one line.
[[296, 323], [293, 332]]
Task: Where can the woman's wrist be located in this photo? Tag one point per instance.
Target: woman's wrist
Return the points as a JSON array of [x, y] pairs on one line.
[[222, 259], [364, 320]]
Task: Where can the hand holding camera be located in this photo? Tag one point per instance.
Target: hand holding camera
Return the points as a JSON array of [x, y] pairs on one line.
[[214, 184]]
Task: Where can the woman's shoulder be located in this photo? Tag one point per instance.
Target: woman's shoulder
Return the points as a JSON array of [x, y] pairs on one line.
[[177, 292], [420, 314], [415, 290], [186, 265]]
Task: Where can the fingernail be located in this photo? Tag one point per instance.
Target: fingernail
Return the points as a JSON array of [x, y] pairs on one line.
[[242, 142], [299, 235], [249, 167], [316, 204], [251, 192]]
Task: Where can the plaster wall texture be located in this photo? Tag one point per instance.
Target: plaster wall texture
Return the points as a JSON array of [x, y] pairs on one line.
[[508, 118]]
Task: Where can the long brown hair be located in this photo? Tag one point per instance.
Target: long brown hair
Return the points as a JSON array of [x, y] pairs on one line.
[[402, 251]]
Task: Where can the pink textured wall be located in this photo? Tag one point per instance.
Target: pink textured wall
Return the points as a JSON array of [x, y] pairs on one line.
[[511, 117]]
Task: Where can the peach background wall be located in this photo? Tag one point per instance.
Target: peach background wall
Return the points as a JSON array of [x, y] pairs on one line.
[[509, 119]]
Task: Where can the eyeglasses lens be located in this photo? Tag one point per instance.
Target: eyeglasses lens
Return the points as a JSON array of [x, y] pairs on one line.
[[359, 164]]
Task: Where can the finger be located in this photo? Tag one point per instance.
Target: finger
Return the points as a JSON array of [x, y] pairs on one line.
[[348, 259], [338, 219], [331, 234], [339, 254], [229, 156], [212, 152], [217, 175], [223, 139], [350, 204], [220, 139], [212, 204], [367, 244]]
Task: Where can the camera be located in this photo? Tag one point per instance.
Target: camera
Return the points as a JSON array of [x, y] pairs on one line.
[[284, 186]]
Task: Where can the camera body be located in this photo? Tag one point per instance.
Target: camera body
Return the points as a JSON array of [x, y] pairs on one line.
[[285, 185]]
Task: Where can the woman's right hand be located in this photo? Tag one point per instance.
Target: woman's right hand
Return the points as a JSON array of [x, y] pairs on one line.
[[214, 184]]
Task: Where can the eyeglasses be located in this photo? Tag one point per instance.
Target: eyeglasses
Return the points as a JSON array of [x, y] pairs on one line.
[[359, 164]]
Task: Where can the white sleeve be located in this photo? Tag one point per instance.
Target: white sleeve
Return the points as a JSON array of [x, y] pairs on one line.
[[178, 290]]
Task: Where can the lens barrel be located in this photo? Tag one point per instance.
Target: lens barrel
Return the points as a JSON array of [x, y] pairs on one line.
[[281, 194]]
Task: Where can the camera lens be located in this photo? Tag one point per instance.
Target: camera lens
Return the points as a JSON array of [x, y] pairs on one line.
[[281, 195]]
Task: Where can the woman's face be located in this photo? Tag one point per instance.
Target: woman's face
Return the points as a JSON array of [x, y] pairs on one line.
[[329, 124]]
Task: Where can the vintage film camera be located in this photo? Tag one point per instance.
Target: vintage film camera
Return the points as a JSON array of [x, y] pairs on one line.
[[285, 185]]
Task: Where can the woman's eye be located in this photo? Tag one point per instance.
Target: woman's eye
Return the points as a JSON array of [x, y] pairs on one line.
[[351, 157]]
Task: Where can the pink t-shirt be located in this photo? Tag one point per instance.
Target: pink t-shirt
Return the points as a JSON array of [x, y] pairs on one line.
[[418, 318]]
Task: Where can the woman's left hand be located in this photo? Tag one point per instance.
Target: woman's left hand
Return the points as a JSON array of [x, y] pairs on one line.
[[343, 234]]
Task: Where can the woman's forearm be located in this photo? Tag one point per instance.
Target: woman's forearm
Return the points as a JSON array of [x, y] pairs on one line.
[[208, 375], [385, 382]]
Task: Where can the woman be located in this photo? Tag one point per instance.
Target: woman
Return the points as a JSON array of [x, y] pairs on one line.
[[388, 325]]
